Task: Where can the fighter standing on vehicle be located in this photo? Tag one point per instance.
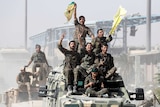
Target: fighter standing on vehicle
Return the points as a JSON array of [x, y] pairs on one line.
[[81, 29]]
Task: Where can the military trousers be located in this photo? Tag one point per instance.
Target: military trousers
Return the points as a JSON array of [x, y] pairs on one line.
[[68, 73], [28, 88], [78, 47], [110, 72], [107, 73], [93, 93], [79, 71], [43, 70]]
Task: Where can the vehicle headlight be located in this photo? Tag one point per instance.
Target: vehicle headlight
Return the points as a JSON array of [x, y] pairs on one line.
[[114, 105], [49, 80]]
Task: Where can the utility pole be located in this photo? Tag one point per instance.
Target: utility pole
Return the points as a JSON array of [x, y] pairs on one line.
[[25, 39], [148, 26], [125, 35]]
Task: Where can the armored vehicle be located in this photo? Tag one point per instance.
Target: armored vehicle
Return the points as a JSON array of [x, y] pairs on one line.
[[56, 95]]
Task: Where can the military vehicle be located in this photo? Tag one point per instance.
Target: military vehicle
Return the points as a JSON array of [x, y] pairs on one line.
[[56, 95]]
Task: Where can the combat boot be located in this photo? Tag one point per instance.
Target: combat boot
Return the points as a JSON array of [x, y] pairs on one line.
[[74, 89], [69, 90]]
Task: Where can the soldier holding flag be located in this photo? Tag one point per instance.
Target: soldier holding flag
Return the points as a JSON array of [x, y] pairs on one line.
[[81, 29]]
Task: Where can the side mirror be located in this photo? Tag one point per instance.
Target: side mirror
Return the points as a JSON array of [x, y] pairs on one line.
[[42, 91], [138, 95]]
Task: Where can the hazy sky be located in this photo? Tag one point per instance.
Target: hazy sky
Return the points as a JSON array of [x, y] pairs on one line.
[[44, 14]]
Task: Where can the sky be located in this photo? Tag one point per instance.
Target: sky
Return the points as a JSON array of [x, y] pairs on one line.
[[44, 14]]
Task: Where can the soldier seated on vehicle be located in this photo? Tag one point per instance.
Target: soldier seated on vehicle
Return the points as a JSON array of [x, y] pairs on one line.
[[105, 62], [87, 60], [23, 79], [39, 60], [94, 84], [71, 61], [97, 42]]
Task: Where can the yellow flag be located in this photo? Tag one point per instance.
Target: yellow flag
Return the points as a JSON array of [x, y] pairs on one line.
[[117, 19], [69, 11]]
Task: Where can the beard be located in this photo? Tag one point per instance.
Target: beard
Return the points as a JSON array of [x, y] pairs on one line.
[[72, 48]]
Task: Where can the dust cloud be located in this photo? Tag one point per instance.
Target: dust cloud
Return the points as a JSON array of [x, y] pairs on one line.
[[11, 60]]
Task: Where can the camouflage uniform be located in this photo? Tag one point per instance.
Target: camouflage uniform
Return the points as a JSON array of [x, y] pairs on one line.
[[71, 61], [24, 79], [98, 41], [40, 60], [96, 89], [83, 31], [108, 64], [87, 62]]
